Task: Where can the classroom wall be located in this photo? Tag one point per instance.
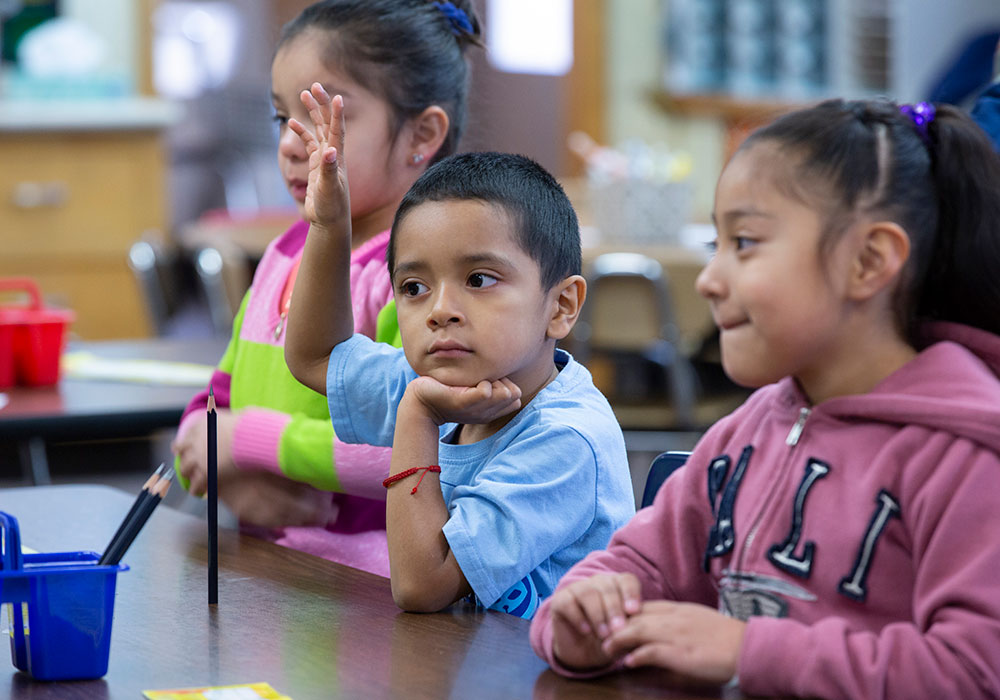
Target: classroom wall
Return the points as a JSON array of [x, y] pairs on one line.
[[115, 22], [633, 73]]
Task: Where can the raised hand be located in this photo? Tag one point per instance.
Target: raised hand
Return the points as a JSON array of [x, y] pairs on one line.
[[475, 405], [587, 612], [683, 637], [327, 202]]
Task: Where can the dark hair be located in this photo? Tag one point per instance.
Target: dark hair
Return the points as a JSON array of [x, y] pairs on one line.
[[408, 52], [543, 218], [942, 188]]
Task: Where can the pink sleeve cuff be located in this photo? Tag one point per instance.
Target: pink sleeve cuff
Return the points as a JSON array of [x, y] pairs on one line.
[[256, 439], [361, 468]]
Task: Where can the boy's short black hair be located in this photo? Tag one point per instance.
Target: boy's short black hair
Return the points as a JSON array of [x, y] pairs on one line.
[[545, 225]]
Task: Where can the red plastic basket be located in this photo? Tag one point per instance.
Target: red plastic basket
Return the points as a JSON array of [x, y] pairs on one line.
[[31, 337]]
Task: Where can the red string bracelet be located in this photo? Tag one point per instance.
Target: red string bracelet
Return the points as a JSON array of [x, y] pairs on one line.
[[410, 472]]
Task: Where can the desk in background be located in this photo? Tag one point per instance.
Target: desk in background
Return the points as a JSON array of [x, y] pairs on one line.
[[311, 628], [682, 264], [91, 409]]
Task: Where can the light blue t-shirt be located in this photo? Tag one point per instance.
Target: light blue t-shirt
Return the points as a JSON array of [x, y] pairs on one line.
[[526, 503]]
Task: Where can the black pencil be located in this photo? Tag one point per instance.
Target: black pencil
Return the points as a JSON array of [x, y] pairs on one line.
[[131, 530], [144, 495], [213, 503]]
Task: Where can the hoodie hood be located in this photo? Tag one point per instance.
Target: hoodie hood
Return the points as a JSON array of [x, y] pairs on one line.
[[953, 384]]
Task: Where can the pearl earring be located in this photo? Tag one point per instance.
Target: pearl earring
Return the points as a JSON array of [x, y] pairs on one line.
[[417, 158]]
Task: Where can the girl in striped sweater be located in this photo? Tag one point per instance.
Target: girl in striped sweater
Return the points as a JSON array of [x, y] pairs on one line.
[[282, 470]]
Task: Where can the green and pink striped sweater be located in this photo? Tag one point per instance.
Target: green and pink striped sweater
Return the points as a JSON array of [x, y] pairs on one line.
[[285, 428]]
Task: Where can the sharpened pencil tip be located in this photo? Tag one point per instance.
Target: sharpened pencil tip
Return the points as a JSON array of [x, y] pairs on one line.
[[211, 398]]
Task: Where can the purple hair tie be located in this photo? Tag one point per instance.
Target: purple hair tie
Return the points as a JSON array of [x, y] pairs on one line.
[[459, 21], [921, 114]]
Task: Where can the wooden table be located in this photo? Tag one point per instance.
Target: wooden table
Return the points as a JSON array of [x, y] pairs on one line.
[[95, 409], [309, 627]]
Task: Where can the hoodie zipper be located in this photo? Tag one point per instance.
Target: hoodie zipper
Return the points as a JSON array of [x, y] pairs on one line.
[[792, 440], [796, 432]]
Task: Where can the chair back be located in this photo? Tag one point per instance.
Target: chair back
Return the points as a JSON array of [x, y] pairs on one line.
[[629, 317], [628, 304], [147, 261], [663, 466], [223, 272]]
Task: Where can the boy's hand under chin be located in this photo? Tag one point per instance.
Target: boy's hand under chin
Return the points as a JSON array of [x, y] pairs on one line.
[[474, 405]]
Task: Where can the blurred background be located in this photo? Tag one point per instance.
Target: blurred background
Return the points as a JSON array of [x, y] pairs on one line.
[[138, 179]]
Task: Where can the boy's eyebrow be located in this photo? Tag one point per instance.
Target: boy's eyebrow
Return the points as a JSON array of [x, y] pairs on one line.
[[472, 259]]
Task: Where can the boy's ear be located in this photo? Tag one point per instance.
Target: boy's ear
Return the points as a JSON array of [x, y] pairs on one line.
[[428, 131], [567, 303], [883, 251]]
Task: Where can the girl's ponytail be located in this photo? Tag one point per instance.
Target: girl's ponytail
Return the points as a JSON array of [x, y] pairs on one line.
[[962, 279]]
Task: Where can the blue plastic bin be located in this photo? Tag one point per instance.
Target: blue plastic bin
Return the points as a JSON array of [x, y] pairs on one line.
[[59, 607]]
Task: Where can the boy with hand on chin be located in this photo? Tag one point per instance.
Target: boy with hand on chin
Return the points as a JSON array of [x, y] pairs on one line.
[[508, 464]]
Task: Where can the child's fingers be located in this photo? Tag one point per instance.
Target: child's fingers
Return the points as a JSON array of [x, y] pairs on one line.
[[197, 484], [337, 128], [190, 469], [650, 654], [631, 593], [612, 603], [514, 389], [322, 98], [566, 606], [633, 635], [598, 599], [315, 113], [303, 133]]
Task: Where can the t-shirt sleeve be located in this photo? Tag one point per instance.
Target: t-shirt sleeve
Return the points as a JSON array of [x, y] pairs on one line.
[[364, 383], [533, 498]]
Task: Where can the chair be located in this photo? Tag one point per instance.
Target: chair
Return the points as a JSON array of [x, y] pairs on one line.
[[663, 466], [628, 338], [224, 275], [151, 267]]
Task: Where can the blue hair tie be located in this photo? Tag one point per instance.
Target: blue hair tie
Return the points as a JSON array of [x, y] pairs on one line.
[[457, 18], [921, 114]]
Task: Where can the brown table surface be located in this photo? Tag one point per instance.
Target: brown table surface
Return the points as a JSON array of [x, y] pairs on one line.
[[309, 627]]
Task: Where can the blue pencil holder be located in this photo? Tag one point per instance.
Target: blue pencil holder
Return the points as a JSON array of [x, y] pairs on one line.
[[59, 609]]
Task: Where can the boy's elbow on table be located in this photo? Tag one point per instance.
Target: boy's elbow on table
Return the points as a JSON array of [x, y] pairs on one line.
[[418, 598], [425, 593]]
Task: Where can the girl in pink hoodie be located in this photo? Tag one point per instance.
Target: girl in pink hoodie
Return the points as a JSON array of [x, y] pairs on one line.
[[836, 536]]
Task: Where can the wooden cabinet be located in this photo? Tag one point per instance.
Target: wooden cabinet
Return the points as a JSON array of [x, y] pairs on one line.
[[72, 201]]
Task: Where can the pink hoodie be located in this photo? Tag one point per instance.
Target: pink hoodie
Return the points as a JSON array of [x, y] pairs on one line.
[[861, 536]]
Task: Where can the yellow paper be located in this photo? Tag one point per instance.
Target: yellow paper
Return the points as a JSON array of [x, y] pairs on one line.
[[244, 691], [85, 365]]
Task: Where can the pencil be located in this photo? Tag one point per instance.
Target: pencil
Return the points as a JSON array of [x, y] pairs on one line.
[[118, 548], [144, 494], [213, 502]]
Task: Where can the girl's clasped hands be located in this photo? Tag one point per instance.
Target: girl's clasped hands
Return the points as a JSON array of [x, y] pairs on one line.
[[602, 620]]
